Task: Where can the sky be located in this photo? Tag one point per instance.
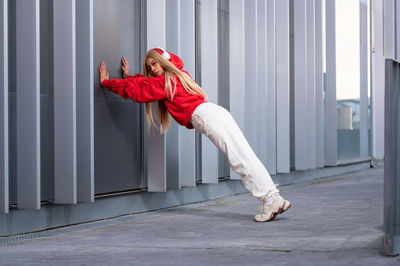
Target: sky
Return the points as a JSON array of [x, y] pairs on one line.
[[348, 49]]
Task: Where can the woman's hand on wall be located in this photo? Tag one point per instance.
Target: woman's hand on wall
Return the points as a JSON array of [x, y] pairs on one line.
[[103, 72], [125, 67]]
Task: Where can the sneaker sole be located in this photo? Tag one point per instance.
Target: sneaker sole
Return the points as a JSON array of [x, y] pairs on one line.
[[281, 210], [285, 207]]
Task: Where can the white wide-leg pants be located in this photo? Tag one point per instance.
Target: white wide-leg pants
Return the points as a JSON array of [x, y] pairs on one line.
[[219, 126]]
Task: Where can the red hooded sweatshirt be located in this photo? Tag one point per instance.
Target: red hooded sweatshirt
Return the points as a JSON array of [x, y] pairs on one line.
[[144, 90]]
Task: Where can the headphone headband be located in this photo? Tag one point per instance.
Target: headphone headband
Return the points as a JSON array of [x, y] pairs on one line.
[[165, 54]]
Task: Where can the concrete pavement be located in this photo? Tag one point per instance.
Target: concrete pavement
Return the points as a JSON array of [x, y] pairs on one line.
[[333, 221]]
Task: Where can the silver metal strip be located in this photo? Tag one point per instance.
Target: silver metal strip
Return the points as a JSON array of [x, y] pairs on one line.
[[300, 85], [391, 217], [156, 148], [65, 170], [4, 154], [310, 107], [330, 91], [364, 119], [173, 40], [261, 99], [187, 153], [389, 28], [271, 87], [378, 82], [319, 98], [209, 82], [282, 85], [85, 100], [28, 104], [250, 74], [236, 65]]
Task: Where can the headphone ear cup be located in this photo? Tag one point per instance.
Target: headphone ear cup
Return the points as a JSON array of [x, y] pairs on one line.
[[166, 55]]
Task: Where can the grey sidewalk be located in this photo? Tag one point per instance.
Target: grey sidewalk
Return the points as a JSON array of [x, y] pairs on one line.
[[334, 221]]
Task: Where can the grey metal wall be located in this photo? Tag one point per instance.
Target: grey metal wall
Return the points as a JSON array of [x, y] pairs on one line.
[[117, 124], [223, 71], [238, 51], [46, 99]]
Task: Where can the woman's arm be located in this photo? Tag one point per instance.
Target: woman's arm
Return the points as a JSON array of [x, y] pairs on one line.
[[138, 88]]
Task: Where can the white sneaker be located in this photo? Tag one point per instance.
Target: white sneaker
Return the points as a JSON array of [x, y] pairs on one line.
[[270, 208]]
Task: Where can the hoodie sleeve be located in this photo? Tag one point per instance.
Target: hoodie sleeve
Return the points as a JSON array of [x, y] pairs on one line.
[[138, 88]]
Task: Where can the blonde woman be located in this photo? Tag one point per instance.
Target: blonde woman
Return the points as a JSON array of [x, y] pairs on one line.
[[165, 86]]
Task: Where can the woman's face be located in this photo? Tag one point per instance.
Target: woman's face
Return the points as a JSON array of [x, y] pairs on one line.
[[153, 67]]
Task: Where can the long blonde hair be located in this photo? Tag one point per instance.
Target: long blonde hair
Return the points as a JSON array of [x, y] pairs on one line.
[[170, 72]]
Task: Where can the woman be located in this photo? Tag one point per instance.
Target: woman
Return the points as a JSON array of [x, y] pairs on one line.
[[166, 84]]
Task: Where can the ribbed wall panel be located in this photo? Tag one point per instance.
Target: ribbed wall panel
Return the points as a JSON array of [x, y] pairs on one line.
[[271, 88], [261, 100], [282, 85], [187, 155], [85, 100], [310, 107], [330, 90], [237, 65], [319, 100], [364, 120], [28, 104], [378, 82], [4, 173], [259, 91], [172, 33], [389, 28], [300, 85], [65, 190], [250, 73], [209, 82], [156, 144]]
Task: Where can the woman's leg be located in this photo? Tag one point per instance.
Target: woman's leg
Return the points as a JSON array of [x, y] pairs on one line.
[[219, 126]]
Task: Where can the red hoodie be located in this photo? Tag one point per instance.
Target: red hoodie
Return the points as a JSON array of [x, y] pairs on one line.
[[144, 90]]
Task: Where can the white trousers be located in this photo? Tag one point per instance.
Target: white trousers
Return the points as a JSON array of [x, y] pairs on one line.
[[219, 126]]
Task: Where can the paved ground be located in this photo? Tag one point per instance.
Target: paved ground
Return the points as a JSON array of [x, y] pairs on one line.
[[334, 221]]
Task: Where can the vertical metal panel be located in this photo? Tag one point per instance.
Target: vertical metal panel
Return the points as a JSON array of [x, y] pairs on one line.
[[300, 86], [261, 100], [209, 82], [311, 115], [271, 87], [187, 155], [330, 91], [172, 18], [282, 85], [4, 106], [319, 101], [250, 60], [119, 139], [389, 28], [236, 65], [391, 218], [223, 74], [85, 100], [396, 28], [156, 153], [364, 120], [28, 104], [46, 101], [378, 82], [64, 102]]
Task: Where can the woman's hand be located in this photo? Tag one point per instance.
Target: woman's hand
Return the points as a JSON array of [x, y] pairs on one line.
[[103, 72], [125, 67]]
